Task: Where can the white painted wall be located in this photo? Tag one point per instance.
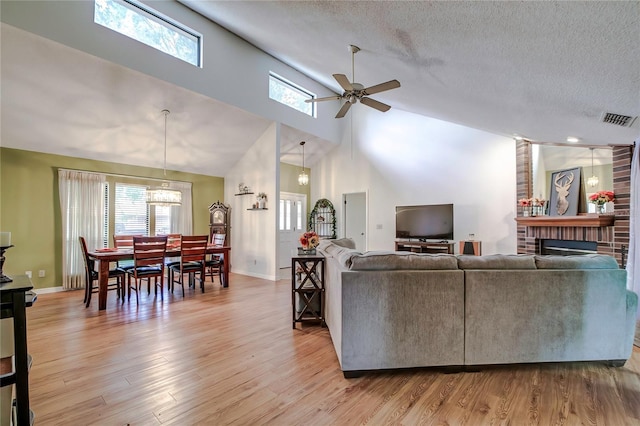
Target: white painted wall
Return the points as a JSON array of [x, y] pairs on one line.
[[233, 71], [407, 159], [254, 232]]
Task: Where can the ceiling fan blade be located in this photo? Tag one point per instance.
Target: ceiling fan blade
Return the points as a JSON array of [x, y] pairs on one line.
[[375, 104], [343, 110], [391, 84], [344, 82], [328, 98]]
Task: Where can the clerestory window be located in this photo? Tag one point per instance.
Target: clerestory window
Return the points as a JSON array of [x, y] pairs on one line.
[[141, 23], [291, 95]]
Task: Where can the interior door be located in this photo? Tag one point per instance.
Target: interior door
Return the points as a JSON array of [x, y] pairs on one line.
[[291, 223], [355, 218]]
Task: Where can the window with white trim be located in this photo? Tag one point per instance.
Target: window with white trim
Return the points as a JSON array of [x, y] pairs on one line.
[[291, 95], [131, 211], [132, 214], [141, 23]]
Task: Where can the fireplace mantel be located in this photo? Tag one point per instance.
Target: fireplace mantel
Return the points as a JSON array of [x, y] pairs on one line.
[[586, 220]]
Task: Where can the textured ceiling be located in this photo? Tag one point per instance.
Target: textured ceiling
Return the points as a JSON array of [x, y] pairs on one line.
[[544, 70]]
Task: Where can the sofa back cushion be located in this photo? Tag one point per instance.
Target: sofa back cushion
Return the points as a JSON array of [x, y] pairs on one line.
[[587, 261], [497, 261], [341, 254], [389, 261], [345, 242]]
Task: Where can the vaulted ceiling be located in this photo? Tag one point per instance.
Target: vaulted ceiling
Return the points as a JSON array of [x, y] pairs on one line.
[[543, 70]]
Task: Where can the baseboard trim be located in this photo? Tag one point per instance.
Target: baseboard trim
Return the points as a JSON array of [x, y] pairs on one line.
[[57, 289]]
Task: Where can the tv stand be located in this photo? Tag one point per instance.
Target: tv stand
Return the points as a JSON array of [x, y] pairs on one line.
[[425, 246]]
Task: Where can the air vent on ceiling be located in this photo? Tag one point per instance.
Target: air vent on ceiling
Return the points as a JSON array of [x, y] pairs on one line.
[[618, 119]]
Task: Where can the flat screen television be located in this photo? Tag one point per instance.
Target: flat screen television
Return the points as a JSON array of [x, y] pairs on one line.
[[427, 222]]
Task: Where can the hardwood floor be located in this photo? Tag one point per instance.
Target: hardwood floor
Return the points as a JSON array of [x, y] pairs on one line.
[[229, 356]]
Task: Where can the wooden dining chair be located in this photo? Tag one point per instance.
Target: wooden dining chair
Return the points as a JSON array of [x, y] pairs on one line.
[[215, 262], [91, 276], [193, 250], [124, 242], [148, 262], [173, 240]]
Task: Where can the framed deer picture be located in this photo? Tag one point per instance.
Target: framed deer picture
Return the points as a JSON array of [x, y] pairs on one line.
[[566, 186]]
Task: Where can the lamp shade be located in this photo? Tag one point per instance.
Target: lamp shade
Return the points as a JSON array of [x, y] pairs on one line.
[[164, 196], [303, 178]]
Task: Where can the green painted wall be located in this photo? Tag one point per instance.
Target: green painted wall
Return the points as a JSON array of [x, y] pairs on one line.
[[30, 206], [289, 181]]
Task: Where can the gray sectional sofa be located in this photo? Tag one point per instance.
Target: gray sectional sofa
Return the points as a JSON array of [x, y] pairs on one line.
[[390, 310]]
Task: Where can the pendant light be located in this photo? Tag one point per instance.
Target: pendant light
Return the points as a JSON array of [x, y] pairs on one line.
[[303, 178], [593, 180], [164, 195]]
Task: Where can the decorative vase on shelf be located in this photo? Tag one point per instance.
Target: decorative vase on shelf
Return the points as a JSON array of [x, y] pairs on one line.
[[600, 208]]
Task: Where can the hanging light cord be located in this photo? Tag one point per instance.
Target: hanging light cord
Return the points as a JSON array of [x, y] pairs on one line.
[[165, 112]]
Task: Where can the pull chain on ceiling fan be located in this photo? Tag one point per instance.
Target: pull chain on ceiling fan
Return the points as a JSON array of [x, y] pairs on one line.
[[354, 92]]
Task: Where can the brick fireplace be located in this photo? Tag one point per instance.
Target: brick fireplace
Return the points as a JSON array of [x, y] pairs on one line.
[[609, 232]]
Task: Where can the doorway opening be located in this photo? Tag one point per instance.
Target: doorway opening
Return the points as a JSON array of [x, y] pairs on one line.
[[355, 218], [292, 221]]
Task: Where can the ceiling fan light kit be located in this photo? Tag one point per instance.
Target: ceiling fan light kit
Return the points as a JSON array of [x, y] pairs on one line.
[[354, 92]]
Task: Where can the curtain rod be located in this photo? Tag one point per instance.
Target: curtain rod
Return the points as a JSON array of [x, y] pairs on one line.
[[124, 176]]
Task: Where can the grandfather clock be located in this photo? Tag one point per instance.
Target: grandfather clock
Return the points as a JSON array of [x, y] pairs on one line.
[[220, 221]]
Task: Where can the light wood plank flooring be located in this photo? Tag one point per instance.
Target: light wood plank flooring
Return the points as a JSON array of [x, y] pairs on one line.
[[230, 357]]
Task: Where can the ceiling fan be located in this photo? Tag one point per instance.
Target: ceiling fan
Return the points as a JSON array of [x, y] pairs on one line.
[[354, 92]]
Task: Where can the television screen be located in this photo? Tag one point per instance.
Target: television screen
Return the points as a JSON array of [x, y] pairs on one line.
[[433, 222]]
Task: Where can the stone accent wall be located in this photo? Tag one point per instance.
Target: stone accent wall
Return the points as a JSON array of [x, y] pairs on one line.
[[611, 239]]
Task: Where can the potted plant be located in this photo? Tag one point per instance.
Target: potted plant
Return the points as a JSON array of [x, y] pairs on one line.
[[600, 198], [309, 241]]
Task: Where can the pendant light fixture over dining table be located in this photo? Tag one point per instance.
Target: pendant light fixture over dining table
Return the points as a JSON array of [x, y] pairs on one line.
[[164, 195], [303, 178], [593, 180]]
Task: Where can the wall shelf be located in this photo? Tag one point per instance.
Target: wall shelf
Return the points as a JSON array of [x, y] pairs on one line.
[[264, 208], [586, 220], [244, 193]]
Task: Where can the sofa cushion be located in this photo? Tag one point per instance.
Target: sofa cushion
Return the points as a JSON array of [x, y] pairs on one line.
[[587, 261], [341, 254], [385, 260], [497, 261], [345, 242]]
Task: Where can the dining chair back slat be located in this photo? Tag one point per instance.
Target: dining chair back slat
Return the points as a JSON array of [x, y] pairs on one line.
[[148, 262], [124, 242]]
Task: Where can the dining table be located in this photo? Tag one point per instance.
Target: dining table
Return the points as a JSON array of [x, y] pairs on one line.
[[104, 256]]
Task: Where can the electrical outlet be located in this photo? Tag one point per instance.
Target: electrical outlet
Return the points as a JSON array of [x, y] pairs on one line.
[[28, 273], [41, 273]]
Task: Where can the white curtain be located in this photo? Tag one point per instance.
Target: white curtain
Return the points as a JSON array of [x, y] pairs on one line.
[[82, 204], [633, 263], [182, 223]]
